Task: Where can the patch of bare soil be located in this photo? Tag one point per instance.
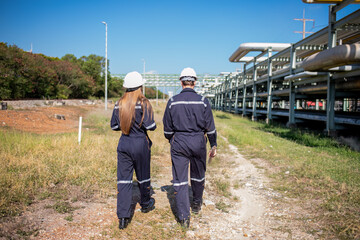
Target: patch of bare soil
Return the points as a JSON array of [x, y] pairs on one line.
[[43, 119]]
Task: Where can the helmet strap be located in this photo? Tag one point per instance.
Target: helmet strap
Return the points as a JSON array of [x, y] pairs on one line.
[[132, 89]]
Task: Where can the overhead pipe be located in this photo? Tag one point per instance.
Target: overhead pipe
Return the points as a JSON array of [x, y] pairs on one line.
[[245, 48], [304, 74], [323, 87], [345, 68], [251, 59]]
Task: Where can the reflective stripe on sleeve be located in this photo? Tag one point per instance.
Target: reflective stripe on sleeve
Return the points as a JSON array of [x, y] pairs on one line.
[[115, 127], [198, 180], [143, 181], [124, 182], [211, 132], [116, 107], [180, 184], [152, 125], [137, 107], [169, 133]]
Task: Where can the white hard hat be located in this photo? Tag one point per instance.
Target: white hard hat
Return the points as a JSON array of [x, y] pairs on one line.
[[133, 80], [188, 72]]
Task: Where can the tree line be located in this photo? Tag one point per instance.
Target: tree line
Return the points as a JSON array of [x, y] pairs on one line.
[[24, 75]]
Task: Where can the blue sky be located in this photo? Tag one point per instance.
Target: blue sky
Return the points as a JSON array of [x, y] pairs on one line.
[[169, 35]]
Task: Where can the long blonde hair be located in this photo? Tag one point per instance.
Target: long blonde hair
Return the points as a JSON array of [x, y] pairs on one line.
[[127, 105]]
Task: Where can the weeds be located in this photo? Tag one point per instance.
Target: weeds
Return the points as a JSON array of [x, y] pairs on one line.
[[62, 207], [69, 218], [223, 187], [222, 206]]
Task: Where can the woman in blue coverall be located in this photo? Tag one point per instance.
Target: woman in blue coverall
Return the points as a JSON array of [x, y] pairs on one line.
[[133, 115]]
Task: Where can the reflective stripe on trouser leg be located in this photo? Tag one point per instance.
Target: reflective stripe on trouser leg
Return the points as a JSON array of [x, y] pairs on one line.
[[180, 181], [124, 185], [142, 170], [197, 176]]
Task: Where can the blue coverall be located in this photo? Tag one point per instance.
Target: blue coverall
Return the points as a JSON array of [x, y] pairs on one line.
[[187, 120], [133, 152]]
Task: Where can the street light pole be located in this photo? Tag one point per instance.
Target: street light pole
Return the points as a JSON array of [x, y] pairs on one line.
[[106, 67], [144, 78]]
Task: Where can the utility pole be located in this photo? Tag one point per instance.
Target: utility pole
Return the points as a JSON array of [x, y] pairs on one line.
[[304, 20]]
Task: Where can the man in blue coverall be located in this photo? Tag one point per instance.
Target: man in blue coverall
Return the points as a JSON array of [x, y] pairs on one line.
[[187, 120]]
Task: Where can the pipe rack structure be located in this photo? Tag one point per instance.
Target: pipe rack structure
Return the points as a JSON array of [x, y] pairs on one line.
[[315, 79], [169, 83]]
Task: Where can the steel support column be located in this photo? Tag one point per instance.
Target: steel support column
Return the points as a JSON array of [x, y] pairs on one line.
[[216, 98], [291, 122], [253, 117], [237, 94], [244, 92], [330, 111], [230, 93], [269, 86]]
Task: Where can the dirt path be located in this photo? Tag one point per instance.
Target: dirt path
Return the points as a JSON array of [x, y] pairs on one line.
[[252, 209], [256, 211]]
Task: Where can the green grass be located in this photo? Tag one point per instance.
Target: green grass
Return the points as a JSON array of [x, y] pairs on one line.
[[317, 168]]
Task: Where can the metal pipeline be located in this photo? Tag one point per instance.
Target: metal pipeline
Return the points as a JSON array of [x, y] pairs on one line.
[[353, 85], [303, 74], [245, 48], [334, 57]]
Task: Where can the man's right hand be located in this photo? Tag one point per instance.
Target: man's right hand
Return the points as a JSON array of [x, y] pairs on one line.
[[212, 152]]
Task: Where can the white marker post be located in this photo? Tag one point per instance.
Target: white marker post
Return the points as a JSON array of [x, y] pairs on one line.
[[80, 123]]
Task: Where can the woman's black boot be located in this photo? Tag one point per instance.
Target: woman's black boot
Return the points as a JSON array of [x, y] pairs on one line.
[[123, 222]]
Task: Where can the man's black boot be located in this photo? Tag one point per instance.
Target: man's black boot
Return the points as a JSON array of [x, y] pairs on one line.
[[185, 223], [123, 222], [150, 207], [196, 208]]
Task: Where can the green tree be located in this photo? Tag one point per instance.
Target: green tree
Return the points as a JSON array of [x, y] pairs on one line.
[[27, 75], [115, 87], [70, 58], [150, 93], [92, 66]]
